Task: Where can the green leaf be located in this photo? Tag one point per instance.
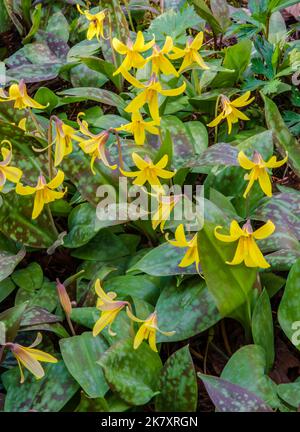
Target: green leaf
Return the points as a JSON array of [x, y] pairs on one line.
[[247, 368], [36, 19], [178, 384], [237, 57], [290, 393], [133, 374], [49, 394], [6, 287], [37, 315], [58, 24], [288, 312], [8, 262], [262, 327], [229, 285], [285, 140], [82, 76], [29, 278], [85, 316], [95, 94], [12, 318], [203, 10], [44, 297], [80, 354], [228, 397], [46, 96], [188, 309], [106, 68]]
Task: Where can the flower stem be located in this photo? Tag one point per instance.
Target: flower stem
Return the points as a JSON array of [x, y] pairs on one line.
[[216, 114]]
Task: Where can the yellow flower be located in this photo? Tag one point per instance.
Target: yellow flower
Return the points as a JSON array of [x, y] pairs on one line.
[[138, 127], [149, 95], [247, 249], [30, 358], [159, 60], [63, 140], [148, 171], [190, 53], [44, 192], [259, 171], [230, 111], [8, 172], [109, 307], [18, 93], [147, 330], [132, 52], [192, 254], [165, 206], [95, 145], [96, 23], [22, 124]]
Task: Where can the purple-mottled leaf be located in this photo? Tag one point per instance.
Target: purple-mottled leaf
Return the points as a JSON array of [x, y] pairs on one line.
[[228, 397], [32, 73], [284, 210], [58, 46], [11, 319], [218, 154], [8, 262], [282, 260], [38, 315], [98, 95]]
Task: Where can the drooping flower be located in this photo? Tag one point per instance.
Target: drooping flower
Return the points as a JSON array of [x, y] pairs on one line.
[[259, 171], [44, 192], [230, 111], [166, 204], [247, 250], [8, 172], [132, 51], [148, 171], [18, 93], [147, 330], [109, 308], [30, 358], [96, 23], [190, 53], [95, 145], [138, 127], [192, 254], [64, 134], [149, 95], [160, 63]]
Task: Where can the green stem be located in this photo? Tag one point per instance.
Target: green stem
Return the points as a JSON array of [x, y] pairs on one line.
[[36, 123], [216, 115], [129, 15], [51, 220]]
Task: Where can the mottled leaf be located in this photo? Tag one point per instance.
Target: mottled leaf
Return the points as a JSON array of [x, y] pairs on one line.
[[80, 354], [125, 371], [38, 315], [29, 278], [178, 384], [8, 262]]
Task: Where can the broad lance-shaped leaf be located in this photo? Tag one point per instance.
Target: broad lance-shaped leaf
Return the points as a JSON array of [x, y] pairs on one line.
[[228, 397], [95, 94], [44, 297], [16, 222], [49, 394], [37, 315], [228, 284], [133, 374], [188, 309], [80, 354], [8, 262], [178, 384], [262, 327], [286, 141], [247, 368], [218, 154], [288, 312], [290, 393], [29, 278], [11, 318]]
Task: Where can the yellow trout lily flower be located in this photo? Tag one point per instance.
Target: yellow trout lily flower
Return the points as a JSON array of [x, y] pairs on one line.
[[166, 205], [230, 111], [160, 63], [132, 52], [30, 358], [148, 171], [138, 128], [95, 145], [96, 23], [18, 93], [64, 135], [190, 53], [8, 172], [192, 254], [149, 95], [147, 330], [247, 250], [44, 192], [259, 171], [109, 308]]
